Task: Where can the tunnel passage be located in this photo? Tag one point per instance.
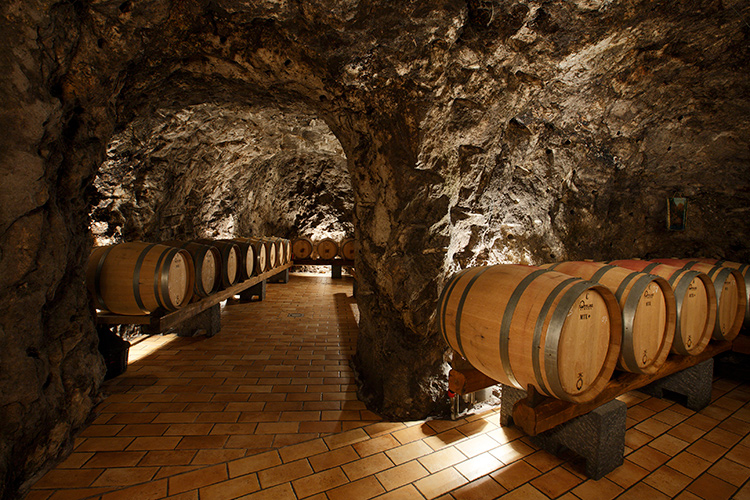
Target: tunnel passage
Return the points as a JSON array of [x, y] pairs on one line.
[[220, 171]]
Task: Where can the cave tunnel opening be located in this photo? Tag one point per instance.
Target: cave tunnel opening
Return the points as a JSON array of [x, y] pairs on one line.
[[222, 171]]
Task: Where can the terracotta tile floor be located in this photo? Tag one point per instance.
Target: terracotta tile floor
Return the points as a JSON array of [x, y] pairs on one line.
[[268, 409]]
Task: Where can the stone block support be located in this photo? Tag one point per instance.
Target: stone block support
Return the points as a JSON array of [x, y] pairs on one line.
[[693, 384], [257, 290], [206, 323], [336, 272], [282, 277], [598, 436]]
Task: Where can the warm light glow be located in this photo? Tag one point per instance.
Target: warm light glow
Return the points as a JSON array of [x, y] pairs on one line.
[[147, 345]]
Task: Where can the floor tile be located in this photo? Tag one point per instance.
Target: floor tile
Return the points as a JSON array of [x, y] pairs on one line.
[[481, 489], [284, 473], [400, 475], [667, 480], [441, 482], [369, 465], [319, 482], [603, 489], [514, 475], [362, 489], [555, 482], [711, 487], [197, 479]]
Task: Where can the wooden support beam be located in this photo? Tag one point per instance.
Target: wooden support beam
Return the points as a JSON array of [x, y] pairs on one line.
[[535, 416], [469, 380], [323, 262], [161, 322]]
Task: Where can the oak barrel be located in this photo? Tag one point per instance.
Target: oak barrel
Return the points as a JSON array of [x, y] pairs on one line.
[[281, 250], [259, 251], [523, 325], [230, 260], [288, 247], [729, 286], [648, 310], [695, 300], [346, 249], [744, 269], [327, 248], [247, 257], [138, 278], [207, 264], [272, 253], [302, 248]]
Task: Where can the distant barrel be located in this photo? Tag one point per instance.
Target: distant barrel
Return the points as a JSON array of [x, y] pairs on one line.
[[272, 252], [207, 263], [138, 278], [695, 300], [523, 325], [729, 286], [346, 249], [247, 257], [259, 251], [302, 248], [648, 311], [326, 248], [744, 269], [230, 260]]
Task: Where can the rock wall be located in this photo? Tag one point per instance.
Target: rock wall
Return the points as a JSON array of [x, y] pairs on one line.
[[209, 171], [475, 132]]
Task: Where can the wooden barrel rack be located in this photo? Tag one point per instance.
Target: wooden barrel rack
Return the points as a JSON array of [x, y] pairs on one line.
[[161, 322], [536, 413], [336, 264]]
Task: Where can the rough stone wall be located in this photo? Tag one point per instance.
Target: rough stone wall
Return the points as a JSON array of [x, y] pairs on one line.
[[475, 132], [221, 171]]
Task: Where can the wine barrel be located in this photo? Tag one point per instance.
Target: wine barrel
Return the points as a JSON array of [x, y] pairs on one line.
[[327, 248], [346, 249], [744, 269], [259, 251], [281, 250], [247, 257], [695, 300], [138, 278], [272, 252], [729, 286], [648, 312], [230, 260], [302, 248], [288, 247], [207, 263], [523, 325]]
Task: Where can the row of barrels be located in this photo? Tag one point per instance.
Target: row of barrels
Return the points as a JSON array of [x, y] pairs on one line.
[[325, 248], [137, 278], [564, 328]]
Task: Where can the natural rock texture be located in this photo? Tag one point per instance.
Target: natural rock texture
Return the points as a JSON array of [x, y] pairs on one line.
[[210, 171], [475, 131]]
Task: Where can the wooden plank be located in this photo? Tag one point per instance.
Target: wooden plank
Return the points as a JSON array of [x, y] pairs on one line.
[[536, 417], [468, 380], [161, 322], [322, 262]]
